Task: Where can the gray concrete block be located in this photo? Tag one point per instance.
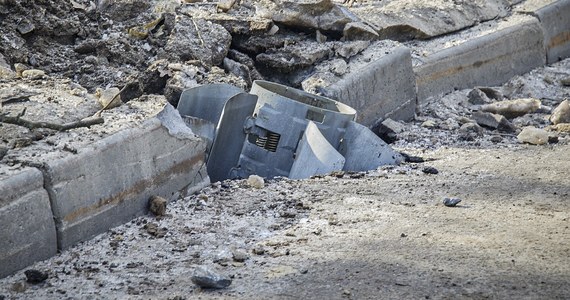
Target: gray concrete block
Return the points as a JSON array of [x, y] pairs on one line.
[[27, 229], [385, 88], [555, 20], [490, 59], [110, 182]]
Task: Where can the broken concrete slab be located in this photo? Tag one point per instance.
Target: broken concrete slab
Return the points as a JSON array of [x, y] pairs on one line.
[[479, 57], [553, 16], [312, 14], [418, 19], [27, 229]]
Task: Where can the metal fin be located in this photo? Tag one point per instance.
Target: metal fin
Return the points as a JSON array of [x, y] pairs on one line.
[[315, 155], [364, 150]]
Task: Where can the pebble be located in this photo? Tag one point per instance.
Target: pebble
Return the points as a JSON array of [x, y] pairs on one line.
[[33, 74], [240, 255], [35, 276], [494, 121], [429, 124], [205, 278], [430, 170], [157, 205], [258, 250], [154, 230], [107, 97], [471, 128], [477, 96], [513, 108], [451, 202], [532, 135], [565, 81], [255, 181], [561, 114]]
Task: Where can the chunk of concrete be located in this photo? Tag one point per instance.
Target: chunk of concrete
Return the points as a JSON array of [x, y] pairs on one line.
[[490, 59], [494, 121], [110, 182], [27, 229]]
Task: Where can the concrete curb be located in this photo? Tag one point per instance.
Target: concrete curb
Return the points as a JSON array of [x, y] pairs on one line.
[[385, 88], [27, 230], [109, 182], [491, 59], [62, 202], [555, 20]]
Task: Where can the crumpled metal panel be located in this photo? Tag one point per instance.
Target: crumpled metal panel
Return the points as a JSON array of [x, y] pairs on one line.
[[315, 155], [276, 130], [365, 151]]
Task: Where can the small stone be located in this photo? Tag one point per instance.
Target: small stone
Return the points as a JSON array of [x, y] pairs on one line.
[[403, 235], [430, 170], [20, 68], [388, 130], [359, 31], [561, 114], [207, 279], [225, 5], [35, 276], [513, 108], [255, 181], [157, 205], [429, 124], [33, 74], [108, 98], [491, 93], [565, 81], [240, 255], [494, 121], [476, 96], [154, 230], [258, 250], [532, 135], [496, 139], [471, 128], [451, 202], [25, 27]]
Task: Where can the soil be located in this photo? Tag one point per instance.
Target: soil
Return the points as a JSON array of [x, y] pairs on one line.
[[382, 234]]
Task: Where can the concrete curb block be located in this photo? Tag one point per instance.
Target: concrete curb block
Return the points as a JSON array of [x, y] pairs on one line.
[[28, 230], [385, 88], [555, 20], [110, 182], [487, 60]]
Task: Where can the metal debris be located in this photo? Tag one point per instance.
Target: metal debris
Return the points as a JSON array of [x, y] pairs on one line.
[[276, 130]]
